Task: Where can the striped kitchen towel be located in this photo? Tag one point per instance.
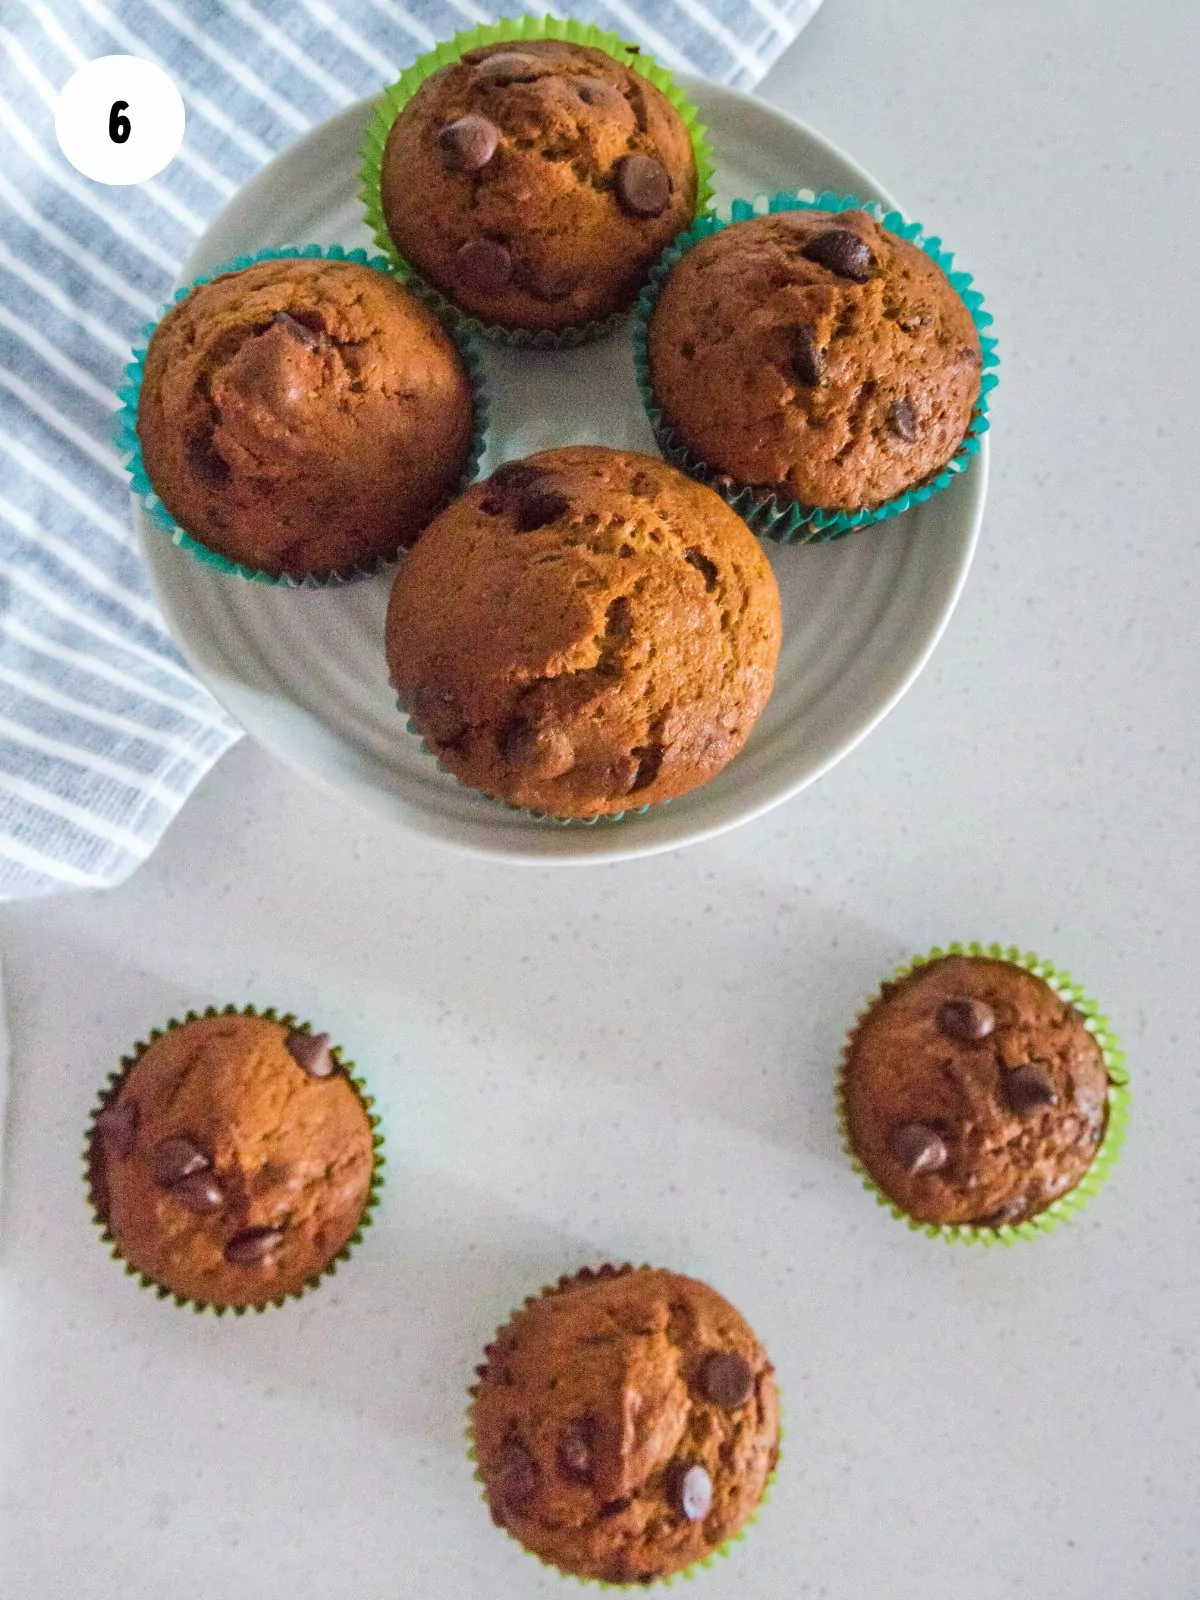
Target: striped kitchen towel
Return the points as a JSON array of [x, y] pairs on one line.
[[103, 732]]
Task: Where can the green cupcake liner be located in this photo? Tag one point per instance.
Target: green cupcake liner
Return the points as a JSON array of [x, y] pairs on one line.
[[129, 445], [686, 1573], [785, 520], [288, 1020], [514, 29], [1067, 1205], [525, 811]]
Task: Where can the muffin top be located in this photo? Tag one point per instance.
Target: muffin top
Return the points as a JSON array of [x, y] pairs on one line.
[[535, 182], [586, 631], [233, 1160], [815, 354], [625, 1424], [975, 1093], [303, 416]]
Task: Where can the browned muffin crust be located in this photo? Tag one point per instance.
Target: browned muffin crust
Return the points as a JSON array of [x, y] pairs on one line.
[[535, 182], [974, 1093], [625, 1424], [815, 354], [233, 1161], [302, 417], [586, 631]]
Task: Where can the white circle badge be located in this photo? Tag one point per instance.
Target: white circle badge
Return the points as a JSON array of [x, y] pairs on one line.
[[119, 119]]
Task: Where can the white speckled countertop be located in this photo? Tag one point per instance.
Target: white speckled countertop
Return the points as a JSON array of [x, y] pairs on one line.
[[635, 1061]]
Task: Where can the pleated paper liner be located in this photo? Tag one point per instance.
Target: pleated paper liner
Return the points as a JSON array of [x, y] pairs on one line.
[[514, 30], [130, 446], [113, 1085], [1067, 1205], [590, 1274], [789, 521], [526, 811]]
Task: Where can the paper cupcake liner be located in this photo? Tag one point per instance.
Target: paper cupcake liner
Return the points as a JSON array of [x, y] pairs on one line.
[[588, 1275], [526, 811], [130, 446], [113, 1085], [513, 29], [1067, 1205], [770, 515]]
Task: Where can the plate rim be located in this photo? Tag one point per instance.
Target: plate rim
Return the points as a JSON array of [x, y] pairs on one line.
[[549, 845]]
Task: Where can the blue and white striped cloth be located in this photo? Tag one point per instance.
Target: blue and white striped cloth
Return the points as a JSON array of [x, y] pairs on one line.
[[103, 732]]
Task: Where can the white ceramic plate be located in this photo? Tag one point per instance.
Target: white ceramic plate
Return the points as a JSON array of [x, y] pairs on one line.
[[304, 671]]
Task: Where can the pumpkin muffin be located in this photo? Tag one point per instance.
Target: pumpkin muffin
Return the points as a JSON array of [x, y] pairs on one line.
[[974, 1093], [625, 1424], [585, 631], [233, 1161], [304, 417], [816, 356], [535, 182]]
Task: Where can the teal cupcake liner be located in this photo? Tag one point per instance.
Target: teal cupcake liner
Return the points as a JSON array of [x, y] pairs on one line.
[[1067, 1205], [115, 1080], [129, 446], [526, 811], [788, 521], [685, 1574], [513, 30]]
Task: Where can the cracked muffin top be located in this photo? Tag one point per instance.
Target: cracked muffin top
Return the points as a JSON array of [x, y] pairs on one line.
[[535, 182], [816, 355], [233, 1161], [304, 416], [625, 1424], [585, 631], [974, 1093]]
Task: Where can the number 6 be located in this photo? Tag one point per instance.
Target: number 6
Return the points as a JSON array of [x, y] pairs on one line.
[[118, 126]]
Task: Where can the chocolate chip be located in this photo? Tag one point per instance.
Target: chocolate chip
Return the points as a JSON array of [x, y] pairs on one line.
[[643, 187], [177, 1157], [808, 359], [538, 507], [311, 1051], [919, 1149], [706, 568], [1011, 1211], [505, 484], [842, 252], [1028, 1087], [117, 1126], [206, 461], [575, 1450], [486, 264], [509, 66], [694, 1494], [902, 420], [199, 1191], [297, 330], [728, 1379], [253, 1245], [468, 143], [966, 1018], [518, 1474]]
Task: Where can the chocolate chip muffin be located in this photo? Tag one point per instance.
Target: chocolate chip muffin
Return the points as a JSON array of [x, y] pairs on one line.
[[303, 417], [535, 182], [625, 1424], [974, 1093], [586, 631], [233, 1161], [817, 356]]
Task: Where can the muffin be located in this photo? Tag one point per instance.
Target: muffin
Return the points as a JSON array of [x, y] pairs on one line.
[[625, 1424], [974, 1092], [303, 417], [534, 182], [233, 1161], [586, 631], [815, 356]]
